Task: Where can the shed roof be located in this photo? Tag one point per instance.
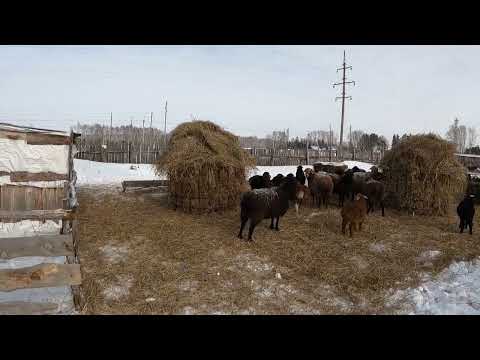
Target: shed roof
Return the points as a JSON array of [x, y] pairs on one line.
[[28, 129]]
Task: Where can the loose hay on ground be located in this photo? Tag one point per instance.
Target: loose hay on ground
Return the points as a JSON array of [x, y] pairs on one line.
[[169, 248]]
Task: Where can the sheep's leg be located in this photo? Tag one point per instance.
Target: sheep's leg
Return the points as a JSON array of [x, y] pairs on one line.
[[383, 208], [360, 226], [242, 225], [351, 229], [276, 226], [253, 223], [470, 225], [344, 225], [462, 225], [271, 223]]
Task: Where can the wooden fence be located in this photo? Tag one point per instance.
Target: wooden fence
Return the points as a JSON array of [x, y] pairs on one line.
[[119, 152], [125, 152], [283, 157]]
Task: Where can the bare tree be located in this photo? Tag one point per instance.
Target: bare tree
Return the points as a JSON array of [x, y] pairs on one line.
[[472, 136], [457, 135], [356, 136], [462, 138]]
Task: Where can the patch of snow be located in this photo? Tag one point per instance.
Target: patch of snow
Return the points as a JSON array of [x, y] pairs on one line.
[[275, 170], [120, 289], [361, 165], [150, 299], [378, 248], [360, 262], [114, 254], [188, 310], [431, 254], [99, 173], [455, 291], [188, 285]]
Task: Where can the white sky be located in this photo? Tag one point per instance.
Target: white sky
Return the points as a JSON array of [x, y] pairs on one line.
[[250, 90]]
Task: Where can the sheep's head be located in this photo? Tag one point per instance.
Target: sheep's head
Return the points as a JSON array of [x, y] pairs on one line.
[[308, 172]]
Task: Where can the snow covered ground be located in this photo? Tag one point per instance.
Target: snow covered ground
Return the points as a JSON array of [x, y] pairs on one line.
[[455, 291], [361, 165], [97, 173]]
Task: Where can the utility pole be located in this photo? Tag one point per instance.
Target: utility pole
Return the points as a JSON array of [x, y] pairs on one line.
[[343, 97], [330, 143], [165, 126], [143, 138], [111, 123]]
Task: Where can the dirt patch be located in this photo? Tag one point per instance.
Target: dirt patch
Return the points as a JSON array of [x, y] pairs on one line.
[[196, 264]]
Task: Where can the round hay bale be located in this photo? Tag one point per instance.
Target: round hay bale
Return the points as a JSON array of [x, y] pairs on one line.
[[422, 175], [206, 167]]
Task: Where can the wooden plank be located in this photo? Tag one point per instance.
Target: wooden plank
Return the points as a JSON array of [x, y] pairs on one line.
[[47, 139], [38, 276], [59, 214], [12, 135], [27, 308], [44, 245], [19, 176], [143, 183]]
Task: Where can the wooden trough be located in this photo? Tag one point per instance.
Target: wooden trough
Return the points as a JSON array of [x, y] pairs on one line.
[[38, 267], [142, 184]]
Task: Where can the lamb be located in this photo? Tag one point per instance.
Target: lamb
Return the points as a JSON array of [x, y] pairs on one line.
[[260, 204], [354, 213], [466, 211], [259, 182], [300, 175], [320, 185]]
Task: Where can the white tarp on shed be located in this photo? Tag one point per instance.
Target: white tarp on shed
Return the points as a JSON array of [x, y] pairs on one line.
[[17, 155]]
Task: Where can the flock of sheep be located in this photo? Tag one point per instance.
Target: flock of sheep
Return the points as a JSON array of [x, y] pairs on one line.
[[270, 198]]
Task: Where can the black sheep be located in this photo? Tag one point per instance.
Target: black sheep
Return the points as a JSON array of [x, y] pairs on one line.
[[277, 180], [466, 211], [260, 204], [259, 182], [300, 175]]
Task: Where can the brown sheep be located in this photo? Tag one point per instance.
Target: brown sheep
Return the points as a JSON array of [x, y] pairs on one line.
[[354, 213], [320, 185]]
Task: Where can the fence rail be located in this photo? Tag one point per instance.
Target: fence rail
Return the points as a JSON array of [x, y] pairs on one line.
[[124, 152]]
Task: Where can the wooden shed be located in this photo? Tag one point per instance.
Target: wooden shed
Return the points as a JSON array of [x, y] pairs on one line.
[[39, 264]]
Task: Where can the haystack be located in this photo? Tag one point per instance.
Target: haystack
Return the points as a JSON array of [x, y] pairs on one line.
[[422, 175], [206, 167]]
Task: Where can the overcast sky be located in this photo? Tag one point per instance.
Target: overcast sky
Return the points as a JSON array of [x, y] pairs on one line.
[[250, 90]]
